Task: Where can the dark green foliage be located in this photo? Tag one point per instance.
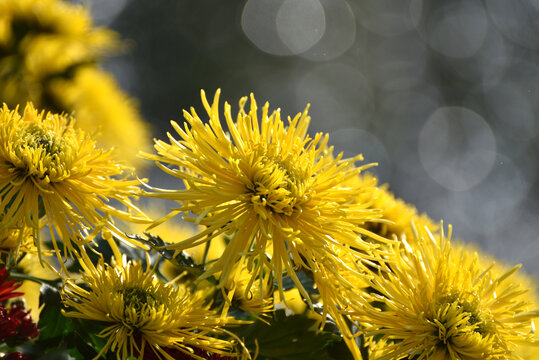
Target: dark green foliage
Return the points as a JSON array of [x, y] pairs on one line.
[[291, 338]]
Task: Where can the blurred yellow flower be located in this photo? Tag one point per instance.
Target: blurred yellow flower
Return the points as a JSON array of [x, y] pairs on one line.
[[266, 185], [294, 304], [431, 301], [101, 107], [52, 174], [48, 54], [143, 314], [40, 39]]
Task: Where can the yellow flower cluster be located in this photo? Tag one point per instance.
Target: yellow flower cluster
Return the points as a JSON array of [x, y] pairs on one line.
[[286, 204], [52, 175], [275, 219], [269, 202], [145, 314]]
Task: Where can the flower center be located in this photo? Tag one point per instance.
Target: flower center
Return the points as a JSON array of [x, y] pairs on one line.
[[456, 318], [482, 322], [39, 138], [137, 298], [42, 154], [275, 186]]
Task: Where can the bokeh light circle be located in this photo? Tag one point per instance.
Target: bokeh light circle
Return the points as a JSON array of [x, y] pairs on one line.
[[457, 148], [300, 24], [458, 29], [283, 27], [340, 32], [259, 25]]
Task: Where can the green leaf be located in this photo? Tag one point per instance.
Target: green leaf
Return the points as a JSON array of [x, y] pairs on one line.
[[84, 339], [291, 338], [62, 337], [57, 354], [305, 279], [52, 323]]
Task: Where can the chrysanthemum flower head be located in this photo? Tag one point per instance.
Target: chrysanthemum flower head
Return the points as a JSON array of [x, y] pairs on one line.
[[142, 314], [525, 350], [53, 174], [435, 302], [277, 193]]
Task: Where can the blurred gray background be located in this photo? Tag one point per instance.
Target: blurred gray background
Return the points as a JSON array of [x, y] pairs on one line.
[[442, 94]]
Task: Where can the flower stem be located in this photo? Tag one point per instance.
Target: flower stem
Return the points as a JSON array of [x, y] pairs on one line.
[[19, 276]]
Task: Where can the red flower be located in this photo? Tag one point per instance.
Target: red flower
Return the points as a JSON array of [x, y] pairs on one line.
[[16, 325], [7, 286], [17, 356]]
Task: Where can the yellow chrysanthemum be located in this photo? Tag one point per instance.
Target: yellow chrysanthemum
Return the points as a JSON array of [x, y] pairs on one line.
[[435, 302], [142, 314], [48, 52], [526, 350], [529, 351], [52, 174], [395, 221], [266, 185]]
